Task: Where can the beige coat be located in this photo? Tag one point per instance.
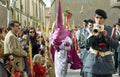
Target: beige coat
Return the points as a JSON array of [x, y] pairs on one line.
[[1, 49], [13, 46]]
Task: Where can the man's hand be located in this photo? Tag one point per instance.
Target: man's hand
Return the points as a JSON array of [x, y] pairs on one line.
[[104, 33]]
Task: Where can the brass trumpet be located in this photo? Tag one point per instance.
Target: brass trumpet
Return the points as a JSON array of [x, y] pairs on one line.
[[96, 31]]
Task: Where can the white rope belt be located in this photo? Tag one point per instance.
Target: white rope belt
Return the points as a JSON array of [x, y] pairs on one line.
[[102, 54]]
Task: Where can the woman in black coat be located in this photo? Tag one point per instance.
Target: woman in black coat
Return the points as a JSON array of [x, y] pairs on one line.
[[35, 43]]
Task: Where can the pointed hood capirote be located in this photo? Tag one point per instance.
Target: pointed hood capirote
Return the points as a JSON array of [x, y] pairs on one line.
[[60, 33]]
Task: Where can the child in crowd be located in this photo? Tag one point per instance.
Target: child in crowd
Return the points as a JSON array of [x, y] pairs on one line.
[[39, 70], [47, 62]]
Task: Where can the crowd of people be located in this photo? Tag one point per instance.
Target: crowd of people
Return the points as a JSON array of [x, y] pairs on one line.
[[15, 54]]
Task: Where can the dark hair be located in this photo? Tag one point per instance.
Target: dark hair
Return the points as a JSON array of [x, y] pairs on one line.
[[91, 21], [6, 57], [101, 13], [42, 51], [118, 20], [114, 25], [1, 29], [26, 30], [12, 23], [32, 28], [118, 24], [86, 21]]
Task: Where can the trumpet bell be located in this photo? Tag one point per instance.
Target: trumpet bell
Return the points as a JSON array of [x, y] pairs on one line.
[[95, 31]]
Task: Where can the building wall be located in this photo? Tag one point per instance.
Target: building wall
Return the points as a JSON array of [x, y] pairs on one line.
[[3, 13], [88, 10], [3, 16], [28, 12]]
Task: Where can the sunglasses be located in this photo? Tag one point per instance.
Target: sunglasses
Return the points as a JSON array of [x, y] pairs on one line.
[[12, 60], [31, 32]]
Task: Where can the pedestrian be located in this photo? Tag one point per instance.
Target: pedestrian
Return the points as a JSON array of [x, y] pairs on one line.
[[34, 42], [61, 44], [117, 55], [3, 71], [115, 35], [99, 62], [9, 63], [38, 69], [84, 34], [13, 46], [60, 38], [2, 37]]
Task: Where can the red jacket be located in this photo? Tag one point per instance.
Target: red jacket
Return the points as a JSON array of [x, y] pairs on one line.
[[39, 70]]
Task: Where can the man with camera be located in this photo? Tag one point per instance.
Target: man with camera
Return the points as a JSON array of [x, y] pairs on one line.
[[99, 61]]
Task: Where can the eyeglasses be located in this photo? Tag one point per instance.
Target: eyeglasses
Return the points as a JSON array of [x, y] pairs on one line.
[[31, 32]]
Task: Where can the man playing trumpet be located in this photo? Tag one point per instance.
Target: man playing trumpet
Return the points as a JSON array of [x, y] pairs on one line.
[[98, 62]]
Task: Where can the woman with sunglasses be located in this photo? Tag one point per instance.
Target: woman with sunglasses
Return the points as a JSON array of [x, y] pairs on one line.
[[35, 43], [9, 63]]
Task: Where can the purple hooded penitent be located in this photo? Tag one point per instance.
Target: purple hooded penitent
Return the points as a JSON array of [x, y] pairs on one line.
[[60, 34]]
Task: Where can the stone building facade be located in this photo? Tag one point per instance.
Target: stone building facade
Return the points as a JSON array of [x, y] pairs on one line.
[[28, 12], [3, 13], [85, 9]]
